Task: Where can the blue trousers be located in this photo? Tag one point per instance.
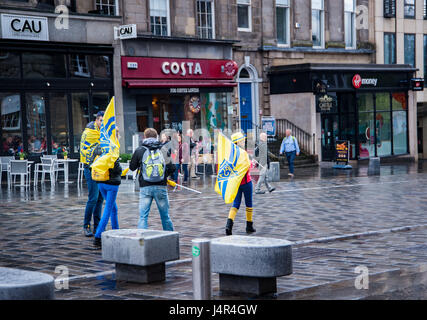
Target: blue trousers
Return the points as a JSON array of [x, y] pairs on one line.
[[160, 195], [184, 168], [94, 202], [244, 189], [291, 157], [109, 192]]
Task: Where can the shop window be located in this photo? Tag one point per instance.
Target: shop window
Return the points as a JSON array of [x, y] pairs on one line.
[[205, 19], [100, 101], [100, 66], [159, 17], [317, 23], [80, 110], [400, 127], [409, 9], [389, 8], [107, 7], [409, 43], [9, 65], [282, 21], [350, 23], [425, 10], [383, 125], [366, 137], [43, 65], [36, 123], [11, 131], [244, 15], [79, 66], [58, 106], [389, 48]]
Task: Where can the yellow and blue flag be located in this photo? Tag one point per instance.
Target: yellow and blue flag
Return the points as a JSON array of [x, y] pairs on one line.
[[233, 163], [88, 143], [108, 141]]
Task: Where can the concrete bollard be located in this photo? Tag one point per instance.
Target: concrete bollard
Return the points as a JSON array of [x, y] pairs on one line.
[[374, 166], [202, 287]]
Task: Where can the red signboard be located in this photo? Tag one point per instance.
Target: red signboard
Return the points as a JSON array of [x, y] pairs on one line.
[[177, 69], [357, 81]]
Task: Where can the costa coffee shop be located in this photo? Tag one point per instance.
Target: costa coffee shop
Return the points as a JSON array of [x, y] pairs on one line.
[[188, 84], [52, 81], [371, 106]]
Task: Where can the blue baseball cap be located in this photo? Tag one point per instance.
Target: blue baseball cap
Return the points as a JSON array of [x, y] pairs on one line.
[[100, 114]]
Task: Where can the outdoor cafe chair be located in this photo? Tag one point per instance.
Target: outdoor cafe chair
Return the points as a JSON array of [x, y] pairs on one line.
[[57, 166], [19, 168], [47, 165], [4, 166], [80, 173]]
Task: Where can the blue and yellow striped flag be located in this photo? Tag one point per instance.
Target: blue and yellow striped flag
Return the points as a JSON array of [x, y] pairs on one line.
[[88, 143], [108, 141], [233, 163]]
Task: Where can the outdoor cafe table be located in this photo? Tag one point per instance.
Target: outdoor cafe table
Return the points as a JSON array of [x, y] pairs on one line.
[[66, 162]]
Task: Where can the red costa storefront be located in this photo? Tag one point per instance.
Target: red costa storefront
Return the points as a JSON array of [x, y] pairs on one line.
[[166, 92]]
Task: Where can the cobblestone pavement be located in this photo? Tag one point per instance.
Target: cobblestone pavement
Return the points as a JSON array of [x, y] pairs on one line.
[[41, 229]]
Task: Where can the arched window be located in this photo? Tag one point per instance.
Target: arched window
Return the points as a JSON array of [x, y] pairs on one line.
[[244, 74]]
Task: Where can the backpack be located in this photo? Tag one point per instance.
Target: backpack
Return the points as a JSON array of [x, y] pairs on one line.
[[99, 176], [153, 166]]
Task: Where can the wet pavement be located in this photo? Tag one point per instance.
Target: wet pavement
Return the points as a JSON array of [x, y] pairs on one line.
[[41, 229]]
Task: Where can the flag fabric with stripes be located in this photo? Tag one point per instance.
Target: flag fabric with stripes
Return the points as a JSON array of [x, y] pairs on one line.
[[88, 143], [233, 163], [108, 141]]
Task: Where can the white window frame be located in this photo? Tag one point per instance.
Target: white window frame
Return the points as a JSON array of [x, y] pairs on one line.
[[212, 2], [168, 21], [288, 28], [353, 31], [322, 22], [116, 6], [243, 2]]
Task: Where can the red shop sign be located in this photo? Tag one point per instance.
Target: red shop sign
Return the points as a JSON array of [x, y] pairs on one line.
[[171, 68], [357, 81]]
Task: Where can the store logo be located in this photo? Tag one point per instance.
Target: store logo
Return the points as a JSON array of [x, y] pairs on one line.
[[182, 69], [230, 68], [357, 81], [326, 103], [24, 27]]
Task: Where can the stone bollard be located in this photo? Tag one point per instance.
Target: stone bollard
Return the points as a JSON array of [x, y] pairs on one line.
[[140, 254], [202, 287], [374, 166], [17, 284], [274, 172], [250, 265]]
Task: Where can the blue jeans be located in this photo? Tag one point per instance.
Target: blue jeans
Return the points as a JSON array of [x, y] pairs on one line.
[[160, 195], [291, 157], [109, 192], [185, 168], [244, 189], [94, 202]]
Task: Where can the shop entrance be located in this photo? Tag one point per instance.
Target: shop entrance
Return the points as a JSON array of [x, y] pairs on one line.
[[329, 136]]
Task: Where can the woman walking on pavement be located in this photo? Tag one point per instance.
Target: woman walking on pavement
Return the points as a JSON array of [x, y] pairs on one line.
[[245, 189]]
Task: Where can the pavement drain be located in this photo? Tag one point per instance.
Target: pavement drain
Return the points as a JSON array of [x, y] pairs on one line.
[[313, 252]]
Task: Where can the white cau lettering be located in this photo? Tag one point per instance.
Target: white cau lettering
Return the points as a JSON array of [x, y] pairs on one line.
[[165, 67], [197, 69], [175, 67]]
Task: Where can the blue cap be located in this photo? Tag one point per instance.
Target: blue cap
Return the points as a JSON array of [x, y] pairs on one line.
[[100, 114]]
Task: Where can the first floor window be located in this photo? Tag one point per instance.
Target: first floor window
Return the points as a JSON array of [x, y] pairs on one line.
[[205, 19], [159, 17], [409, 9], [425, 58], [244, 15], [349, 23], [389, 48], [107, 7], [389, 8], [317, 23], [409, 43], [282, 21]]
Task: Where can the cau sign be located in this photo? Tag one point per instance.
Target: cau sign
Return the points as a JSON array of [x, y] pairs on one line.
[[24, 27]]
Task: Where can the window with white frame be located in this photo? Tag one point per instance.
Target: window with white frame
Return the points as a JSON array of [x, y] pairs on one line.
[[79, 66], [349, 23], [107, 7], [244, 15], [317, 23], [205, 19], [282, 21], [159, 17]]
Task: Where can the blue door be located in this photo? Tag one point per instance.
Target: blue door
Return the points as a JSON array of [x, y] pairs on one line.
[[246, 106]]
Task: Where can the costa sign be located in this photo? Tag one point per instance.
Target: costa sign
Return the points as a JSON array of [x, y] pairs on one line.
[[358, 81], [24, 27], [177, 68]]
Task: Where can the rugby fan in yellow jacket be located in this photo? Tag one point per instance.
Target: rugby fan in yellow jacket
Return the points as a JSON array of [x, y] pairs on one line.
[[88, 143]]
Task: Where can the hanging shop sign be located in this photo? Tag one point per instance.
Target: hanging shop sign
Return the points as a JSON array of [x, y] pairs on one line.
[[125, 32], [417, 84], [24, 27], [326, 103], [269, 125]]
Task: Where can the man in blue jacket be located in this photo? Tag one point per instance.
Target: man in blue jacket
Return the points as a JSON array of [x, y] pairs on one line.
[[291, 149]]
